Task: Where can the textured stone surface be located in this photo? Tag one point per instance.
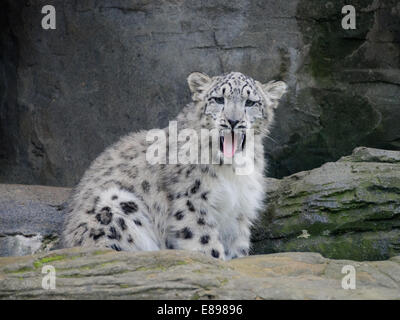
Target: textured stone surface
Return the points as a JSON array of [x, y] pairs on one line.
[[347, 85], [30, 218], [104, 274], [114, 66], [349, 209]]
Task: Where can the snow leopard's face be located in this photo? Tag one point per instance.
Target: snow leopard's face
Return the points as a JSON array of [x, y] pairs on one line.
[[234, 103]]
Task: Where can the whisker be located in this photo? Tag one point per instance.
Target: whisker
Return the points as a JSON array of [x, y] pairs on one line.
[[272, 139]]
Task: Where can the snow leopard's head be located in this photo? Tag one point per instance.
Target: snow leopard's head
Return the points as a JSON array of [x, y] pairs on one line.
[[233, 103]]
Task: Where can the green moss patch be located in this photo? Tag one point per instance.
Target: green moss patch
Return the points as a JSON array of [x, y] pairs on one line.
[[46, 260]]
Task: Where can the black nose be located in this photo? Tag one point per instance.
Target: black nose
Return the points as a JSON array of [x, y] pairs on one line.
[[233, 123]]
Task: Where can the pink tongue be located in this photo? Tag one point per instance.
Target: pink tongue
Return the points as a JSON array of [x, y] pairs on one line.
[[230, 143]]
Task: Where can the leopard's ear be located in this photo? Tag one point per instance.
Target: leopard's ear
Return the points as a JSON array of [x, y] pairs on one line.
[[274, 89], [198, 84]]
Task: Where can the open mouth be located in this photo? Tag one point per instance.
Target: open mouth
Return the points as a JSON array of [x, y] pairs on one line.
[[231, 142]]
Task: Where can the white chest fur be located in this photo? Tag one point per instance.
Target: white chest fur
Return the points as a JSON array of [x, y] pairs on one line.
[[234, 196]]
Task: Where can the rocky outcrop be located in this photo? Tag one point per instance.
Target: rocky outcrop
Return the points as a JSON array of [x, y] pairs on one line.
[[105, 274], [114, 66], [349, 209]]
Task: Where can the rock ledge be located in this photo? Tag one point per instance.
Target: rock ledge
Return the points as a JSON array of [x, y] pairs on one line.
[[105, 274]]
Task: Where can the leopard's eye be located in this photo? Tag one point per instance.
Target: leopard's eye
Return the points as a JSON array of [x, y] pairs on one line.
[[219, 100], [250, 103]]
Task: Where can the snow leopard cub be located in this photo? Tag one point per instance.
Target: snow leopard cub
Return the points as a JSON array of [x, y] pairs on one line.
[[124, 202]]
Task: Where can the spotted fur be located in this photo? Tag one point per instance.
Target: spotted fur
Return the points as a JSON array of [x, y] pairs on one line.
[[125, 203]]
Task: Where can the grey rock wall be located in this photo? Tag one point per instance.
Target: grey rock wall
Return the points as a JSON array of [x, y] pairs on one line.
[[115, 66], [31, 218]]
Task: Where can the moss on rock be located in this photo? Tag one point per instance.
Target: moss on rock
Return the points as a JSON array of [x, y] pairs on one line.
[[349, 209]]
